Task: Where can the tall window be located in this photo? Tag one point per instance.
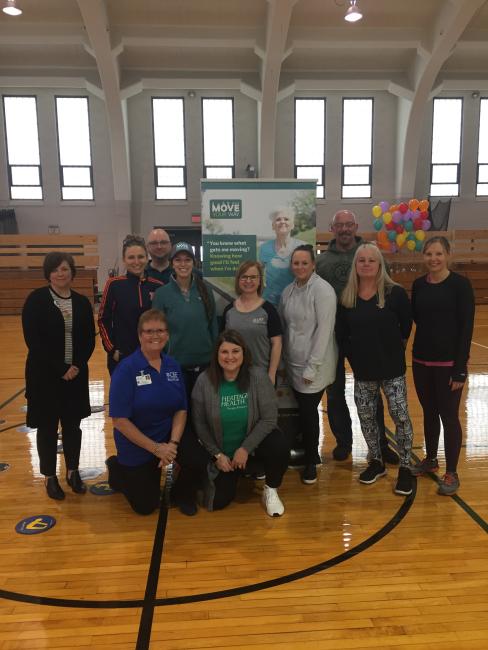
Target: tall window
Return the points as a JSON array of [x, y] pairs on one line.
[[357, 147], [482, 171], [75, 164], [218, 138], [446, 147], [169, 147], [24, 163], [310, 141]]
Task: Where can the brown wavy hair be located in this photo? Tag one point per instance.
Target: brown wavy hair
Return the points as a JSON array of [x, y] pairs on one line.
[[215, 372]]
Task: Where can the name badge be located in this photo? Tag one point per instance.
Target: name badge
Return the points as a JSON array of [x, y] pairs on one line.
[[143, 380]]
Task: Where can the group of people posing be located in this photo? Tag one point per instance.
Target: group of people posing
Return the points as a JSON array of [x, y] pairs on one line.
[[181, 392]]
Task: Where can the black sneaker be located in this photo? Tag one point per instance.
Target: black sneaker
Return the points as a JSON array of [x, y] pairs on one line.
[[309, 474], [404, 484], [389, 456], [373, 471], [341, 453]]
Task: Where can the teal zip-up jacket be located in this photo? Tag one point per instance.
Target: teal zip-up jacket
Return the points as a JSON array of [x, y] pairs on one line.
[[191, 335]]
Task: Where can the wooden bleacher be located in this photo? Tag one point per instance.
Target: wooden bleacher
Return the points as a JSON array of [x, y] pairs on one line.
[[469, 255], [21, 258]]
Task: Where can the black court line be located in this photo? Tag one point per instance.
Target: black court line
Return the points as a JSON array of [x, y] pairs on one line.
[[12, 426], [11, 399], [226, 593], [145, 624]]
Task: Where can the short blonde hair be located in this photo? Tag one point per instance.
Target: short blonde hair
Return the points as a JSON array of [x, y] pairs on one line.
[[384, 283]]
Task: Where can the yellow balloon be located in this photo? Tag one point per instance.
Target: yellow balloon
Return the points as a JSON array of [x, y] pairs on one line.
[[420, 235], [411, 245], [400, 240], [387, 217], [423, 205], [376, 211]]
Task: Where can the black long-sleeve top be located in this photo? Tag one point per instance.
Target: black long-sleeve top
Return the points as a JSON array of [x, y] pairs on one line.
[[444, 315], [373, 338]]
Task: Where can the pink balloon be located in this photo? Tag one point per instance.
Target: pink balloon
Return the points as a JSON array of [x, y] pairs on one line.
[[426, 224], [384, 205]]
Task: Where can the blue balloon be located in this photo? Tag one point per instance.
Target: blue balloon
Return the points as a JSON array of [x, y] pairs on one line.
[[378, 224], [392, 235], [408, 225]]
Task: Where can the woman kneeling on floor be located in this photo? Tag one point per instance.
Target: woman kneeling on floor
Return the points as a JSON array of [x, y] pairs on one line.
[[148, 408], [234, 413]]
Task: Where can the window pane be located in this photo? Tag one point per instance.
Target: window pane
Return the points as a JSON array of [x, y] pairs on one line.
[[77, 193], [169, 131], [73, 130], [482, 189], [171, 192], [26, 192], [356, 191], [451, 189], [76, 176], [483, 174], [444, 173], [170, 176], [218, 132], [219, 172], [353, 175], [320, 191], [483, 136], [21, 128], [357, 131], [446, 130], [310, 172], [309, 131], [25, 176]]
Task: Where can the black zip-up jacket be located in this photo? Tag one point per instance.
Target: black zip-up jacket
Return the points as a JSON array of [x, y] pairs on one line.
[[124, 299]]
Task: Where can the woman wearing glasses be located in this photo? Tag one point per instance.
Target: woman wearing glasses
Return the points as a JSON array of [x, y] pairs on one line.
[[255, 319], [148, 409], [124, 299]]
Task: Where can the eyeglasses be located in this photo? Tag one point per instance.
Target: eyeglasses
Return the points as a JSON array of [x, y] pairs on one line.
[[343, 226], [154, 332], [251, 278], [161, 242]]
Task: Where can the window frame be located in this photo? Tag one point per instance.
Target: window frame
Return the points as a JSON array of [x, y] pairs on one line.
[[158, 167], [370, 165], [457, 164], [9, 165], [478, 164], [233, 167], [62, 167], [295, 166]]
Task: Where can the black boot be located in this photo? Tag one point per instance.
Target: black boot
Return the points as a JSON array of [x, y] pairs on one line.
[[53, 489], [75, 482]]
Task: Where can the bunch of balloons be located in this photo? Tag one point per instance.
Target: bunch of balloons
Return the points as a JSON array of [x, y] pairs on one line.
[[403, 224]]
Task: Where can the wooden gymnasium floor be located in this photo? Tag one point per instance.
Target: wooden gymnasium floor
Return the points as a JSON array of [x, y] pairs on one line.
[[347, 566]]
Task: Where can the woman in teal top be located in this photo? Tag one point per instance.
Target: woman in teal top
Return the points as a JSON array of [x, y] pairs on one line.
[[189, 307], [234, 415]]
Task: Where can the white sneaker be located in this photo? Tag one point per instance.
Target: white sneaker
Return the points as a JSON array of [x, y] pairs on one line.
[[272, 502]]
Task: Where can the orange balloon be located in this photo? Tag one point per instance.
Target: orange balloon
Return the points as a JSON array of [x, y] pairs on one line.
[[413, 204], [423, 205]]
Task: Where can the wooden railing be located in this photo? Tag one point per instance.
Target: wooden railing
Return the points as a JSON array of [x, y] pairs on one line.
[[469, 250], [21, 259]]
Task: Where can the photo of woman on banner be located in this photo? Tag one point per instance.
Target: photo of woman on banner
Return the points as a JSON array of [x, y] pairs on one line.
[[275, 254]]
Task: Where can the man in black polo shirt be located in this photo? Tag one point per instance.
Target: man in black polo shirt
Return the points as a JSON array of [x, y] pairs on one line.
[[334, 265], [159, 247]]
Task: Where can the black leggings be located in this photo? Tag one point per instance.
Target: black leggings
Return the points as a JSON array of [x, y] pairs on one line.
[[47, 443], [308, 404], [439, 403]]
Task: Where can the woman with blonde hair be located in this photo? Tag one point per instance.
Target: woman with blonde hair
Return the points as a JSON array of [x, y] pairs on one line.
[[373, 325]]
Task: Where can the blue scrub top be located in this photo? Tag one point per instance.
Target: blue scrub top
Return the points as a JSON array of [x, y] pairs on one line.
[[150, 406], [277, 274]]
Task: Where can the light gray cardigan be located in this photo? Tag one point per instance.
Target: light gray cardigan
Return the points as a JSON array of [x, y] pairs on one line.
[[261, 419]]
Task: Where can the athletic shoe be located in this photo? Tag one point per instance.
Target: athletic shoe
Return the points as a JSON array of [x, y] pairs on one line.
[[341, 453], [426, 466], [309, 475], [272, 502], [389, 456], [404, 485], [449, 484], [373, 472]]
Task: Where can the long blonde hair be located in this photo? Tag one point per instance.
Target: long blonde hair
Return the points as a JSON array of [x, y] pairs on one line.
[[384, 283]]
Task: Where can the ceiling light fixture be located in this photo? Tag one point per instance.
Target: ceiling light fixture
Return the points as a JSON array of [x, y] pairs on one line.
[[353, 14], [11, 8]]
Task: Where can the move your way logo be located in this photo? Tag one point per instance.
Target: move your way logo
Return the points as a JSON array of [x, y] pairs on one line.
[[225, 209]]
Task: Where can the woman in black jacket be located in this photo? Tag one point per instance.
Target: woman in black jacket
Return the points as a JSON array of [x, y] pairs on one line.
[[60, 335]]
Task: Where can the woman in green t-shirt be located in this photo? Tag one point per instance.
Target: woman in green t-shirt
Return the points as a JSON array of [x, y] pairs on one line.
[[234, 416]]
